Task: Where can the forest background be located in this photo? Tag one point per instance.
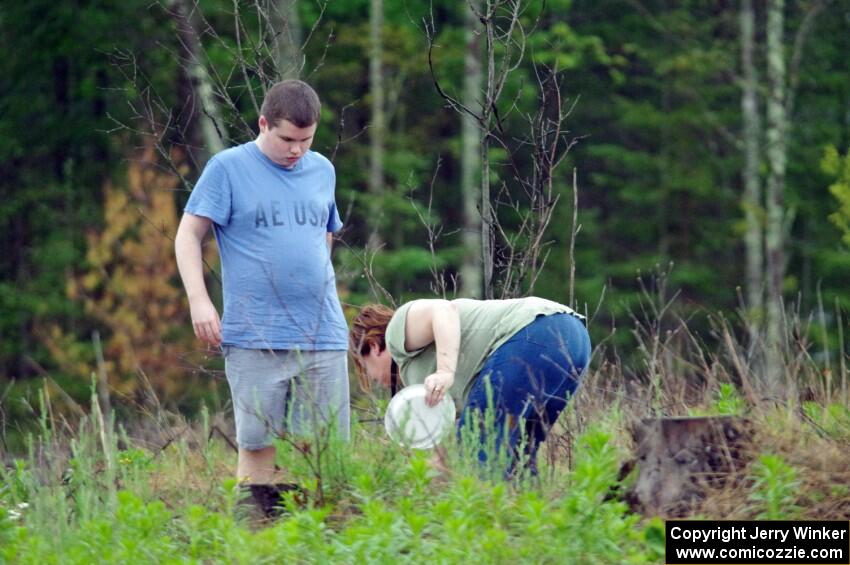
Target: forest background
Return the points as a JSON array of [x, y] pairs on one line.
[[692, 152]]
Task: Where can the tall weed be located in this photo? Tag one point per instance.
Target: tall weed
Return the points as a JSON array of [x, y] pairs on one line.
[[774, 488]]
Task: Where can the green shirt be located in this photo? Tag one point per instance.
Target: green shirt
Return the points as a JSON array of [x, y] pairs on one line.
[[484, 326]]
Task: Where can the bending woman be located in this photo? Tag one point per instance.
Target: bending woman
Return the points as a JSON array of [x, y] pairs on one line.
[[530, 352]]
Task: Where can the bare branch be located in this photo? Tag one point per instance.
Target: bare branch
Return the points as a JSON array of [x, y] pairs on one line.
[[802, 35]]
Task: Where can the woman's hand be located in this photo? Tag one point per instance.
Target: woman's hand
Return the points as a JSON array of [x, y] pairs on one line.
[[437, 386]]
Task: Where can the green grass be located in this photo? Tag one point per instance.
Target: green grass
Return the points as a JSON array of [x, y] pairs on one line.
[[97, 497], [90, 491], [95, 493]]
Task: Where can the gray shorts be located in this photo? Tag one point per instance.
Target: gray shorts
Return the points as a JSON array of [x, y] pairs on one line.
[[292, 390]]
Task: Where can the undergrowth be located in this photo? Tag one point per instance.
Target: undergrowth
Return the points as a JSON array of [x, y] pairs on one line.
[[91, 491], [99, 498]]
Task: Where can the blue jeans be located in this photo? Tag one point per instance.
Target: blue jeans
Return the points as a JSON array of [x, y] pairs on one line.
[[530, 379]]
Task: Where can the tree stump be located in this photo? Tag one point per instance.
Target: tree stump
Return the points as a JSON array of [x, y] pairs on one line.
[[680, 460]]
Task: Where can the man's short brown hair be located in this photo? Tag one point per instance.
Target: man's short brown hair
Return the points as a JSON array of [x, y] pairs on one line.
[[294, 101]]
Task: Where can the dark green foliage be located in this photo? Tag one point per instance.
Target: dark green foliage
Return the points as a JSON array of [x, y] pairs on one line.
[[61, 92], [656, 115]]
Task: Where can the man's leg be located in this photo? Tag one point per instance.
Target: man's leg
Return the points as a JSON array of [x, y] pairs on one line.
[[320, 394], [256, 466], [258, 386]]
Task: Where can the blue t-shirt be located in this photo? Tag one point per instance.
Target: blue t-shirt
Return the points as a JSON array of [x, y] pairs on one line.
[[271, 224]]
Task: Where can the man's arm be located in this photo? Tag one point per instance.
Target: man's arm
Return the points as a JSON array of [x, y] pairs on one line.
[[187, 248], [330, 241]]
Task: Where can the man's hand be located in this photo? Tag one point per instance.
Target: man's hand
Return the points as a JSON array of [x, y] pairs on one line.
[[205, 321], [437, 386], [190, 262]]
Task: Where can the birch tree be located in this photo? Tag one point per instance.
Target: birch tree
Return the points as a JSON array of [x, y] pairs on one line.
[[776, 137], [782, 83], [208, 115], [286, 33], [513, 256], [470, 159], [377, 128], [751, 202]]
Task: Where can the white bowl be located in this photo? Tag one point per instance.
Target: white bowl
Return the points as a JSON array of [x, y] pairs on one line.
[[412, 423]]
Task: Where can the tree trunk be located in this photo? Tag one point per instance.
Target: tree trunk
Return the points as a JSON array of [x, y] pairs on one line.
[[213, 129], [286, 30], [505, 46], [751, 201], [776, 134], [680, 460], [377, 129], [470, 164], [487, 213]]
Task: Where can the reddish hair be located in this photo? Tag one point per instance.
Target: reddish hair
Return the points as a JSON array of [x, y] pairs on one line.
[[368, 327]]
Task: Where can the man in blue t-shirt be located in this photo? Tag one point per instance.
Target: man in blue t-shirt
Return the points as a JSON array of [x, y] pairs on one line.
[[271, 205]]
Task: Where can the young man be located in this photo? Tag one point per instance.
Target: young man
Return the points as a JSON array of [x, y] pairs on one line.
[[271, 205]]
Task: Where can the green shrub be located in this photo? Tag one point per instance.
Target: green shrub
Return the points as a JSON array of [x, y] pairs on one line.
[[774, 488]]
